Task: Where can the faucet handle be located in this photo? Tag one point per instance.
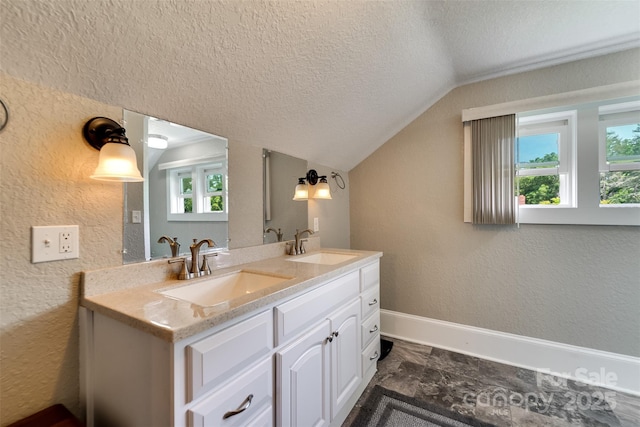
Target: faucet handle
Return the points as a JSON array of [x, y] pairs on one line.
[[302, 249], [290, 248], [184, 272], [205, 269]]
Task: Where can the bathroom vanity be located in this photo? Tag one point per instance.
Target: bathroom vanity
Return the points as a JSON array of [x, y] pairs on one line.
[[295, 353]]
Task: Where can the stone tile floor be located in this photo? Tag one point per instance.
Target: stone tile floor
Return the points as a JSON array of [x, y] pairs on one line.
[[503, 395]]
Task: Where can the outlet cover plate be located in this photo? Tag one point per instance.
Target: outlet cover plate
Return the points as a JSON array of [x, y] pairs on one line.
[[54, 242]]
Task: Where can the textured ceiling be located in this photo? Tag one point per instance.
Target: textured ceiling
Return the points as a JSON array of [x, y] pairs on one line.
[[329, 81]]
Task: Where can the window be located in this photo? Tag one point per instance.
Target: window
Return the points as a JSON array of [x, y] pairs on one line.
[[545, 167], [182, 196], [575, 164], [197, 193], [619, 154], [214, 186]]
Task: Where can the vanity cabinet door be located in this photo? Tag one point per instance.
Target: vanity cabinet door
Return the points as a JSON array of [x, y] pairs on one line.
[[345, 355], [303, 379]]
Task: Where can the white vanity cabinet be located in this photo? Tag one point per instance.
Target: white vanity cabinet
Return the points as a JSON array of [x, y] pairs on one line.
[[300, 361], [320, 371], [137, 379], [370, 328]]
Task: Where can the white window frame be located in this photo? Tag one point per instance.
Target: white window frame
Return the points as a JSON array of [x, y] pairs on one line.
[[564, 124], [174, 195], [199, 194], [202, 173], [626, 113], [588, 210]]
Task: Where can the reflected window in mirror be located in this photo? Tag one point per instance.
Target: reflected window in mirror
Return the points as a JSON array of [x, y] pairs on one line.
[[197, 193]]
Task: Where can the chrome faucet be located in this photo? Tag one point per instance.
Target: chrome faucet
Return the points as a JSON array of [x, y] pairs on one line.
[[278, 233], [195, 253], [299, 247], [173, 244]]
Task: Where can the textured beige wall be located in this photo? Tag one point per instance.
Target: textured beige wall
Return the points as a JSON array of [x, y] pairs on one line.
[[45, 167], [571, 284], [245, 180], [333, 215]]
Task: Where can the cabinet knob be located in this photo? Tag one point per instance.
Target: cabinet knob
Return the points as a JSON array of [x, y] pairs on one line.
[[335, 333], [375, 329], [329, 338], [375, 356], [374, 302], [243, 407]]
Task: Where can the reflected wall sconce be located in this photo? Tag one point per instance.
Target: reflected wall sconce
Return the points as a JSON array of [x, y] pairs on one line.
[[117, 160], [322, 190]]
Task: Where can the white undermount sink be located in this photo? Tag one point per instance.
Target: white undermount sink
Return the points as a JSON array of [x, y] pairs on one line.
[[324, 258], [224, 288]]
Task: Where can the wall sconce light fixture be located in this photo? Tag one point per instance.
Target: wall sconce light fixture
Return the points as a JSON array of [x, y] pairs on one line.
[[117, 159], [322, 191], [302, 190]]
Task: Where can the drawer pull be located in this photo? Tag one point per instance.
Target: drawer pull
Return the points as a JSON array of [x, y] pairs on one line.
[[374, 302], [375, 329], [375, 356], [243, 407]]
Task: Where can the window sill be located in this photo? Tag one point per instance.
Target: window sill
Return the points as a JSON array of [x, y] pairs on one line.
[[609, 215]]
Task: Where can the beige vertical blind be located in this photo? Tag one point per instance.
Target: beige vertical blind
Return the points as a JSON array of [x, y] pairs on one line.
[[492, 145]]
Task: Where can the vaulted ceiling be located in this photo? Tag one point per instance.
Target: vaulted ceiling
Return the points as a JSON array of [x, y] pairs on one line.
[[328, 81]]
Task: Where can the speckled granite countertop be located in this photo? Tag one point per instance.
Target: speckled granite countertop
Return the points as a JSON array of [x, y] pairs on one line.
[[142, 307]]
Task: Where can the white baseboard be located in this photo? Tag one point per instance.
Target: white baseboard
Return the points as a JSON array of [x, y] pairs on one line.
[[611, 370]]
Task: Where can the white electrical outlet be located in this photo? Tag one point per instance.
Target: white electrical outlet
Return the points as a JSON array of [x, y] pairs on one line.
[[316, 227], [52, 243], [136, 217], [66, 245]]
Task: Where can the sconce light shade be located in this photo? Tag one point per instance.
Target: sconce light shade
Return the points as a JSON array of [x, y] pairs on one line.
[[117, 163], [117, 158], [322, 189], [302, 191]]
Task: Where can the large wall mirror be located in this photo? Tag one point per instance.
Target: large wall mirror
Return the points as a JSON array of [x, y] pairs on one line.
[[184, 194], [282, 214]]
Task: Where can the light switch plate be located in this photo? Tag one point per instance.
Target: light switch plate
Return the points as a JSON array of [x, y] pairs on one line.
[[52, 243], [316, 226]]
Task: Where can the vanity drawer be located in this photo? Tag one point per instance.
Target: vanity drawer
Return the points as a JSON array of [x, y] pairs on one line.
[[295, 316], [370, 329], [265, 419], [257, 382], [370, 357], [214, 359], [370, 301], [369, 276]]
